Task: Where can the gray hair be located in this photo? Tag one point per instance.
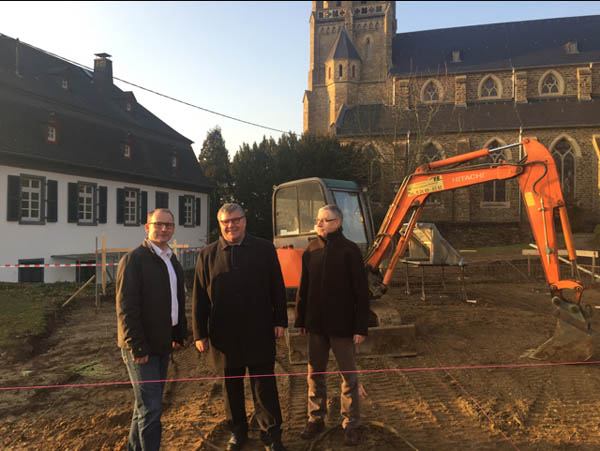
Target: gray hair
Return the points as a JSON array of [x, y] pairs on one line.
[[159, 210], [334, 209], [230, 208]]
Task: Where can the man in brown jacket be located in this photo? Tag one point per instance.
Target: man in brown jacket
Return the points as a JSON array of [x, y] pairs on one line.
[[239, 309], [332, 305]]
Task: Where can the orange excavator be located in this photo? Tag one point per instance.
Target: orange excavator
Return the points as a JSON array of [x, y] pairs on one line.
[[295, 205]]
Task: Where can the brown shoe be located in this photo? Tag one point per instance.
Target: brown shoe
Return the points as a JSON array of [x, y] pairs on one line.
[[312, 429], [351, 436]]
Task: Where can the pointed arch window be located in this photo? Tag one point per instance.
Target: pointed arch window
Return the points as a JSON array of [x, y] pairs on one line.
[[489, 88], [368, 48], [353, 71], [329, 73], [340, 71], [550, 84], [495, 190], [432, 153], [564, 157], [431, 92]]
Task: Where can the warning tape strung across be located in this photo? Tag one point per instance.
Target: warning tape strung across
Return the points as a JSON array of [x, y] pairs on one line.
[[75, 265], [56, 265], [389, 370]]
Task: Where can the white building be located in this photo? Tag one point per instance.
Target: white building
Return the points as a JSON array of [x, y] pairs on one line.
[[81, 159]]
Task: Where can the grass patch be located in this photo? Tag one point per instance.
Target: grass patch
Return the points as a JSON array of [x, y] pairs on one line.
[[28, 310]]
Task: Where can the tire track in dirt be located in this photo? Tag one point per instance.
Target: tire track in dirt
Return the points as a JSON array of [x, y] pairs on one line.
[[432, 410]]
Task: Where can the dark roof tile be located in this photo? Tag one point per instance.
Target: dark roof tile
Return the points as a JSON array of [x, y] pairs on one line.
[[503, 46]]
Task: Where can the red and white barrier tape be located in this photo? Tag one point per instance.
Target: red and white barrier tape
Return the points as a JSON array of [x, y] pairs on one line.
[[74, 265], [55, 265]]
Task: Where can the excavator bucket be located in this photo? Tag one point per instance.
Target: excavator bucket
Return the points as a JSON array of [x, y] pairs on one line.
[[572, 340]]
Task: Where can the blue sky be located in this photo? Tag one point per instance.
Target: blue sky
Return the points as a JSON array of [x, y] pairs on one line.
[[243, 59]]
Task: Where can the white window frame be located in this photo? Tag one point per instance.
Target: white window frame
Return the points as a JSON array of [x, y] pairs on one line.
[[130, 207], [85, 203], [28, 191], [51, 136], [188, 209], [127, 150]]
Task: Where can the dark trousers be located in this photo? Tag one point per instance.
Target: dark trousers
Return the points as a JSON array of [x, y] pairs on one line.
[[145, 431], [264, 394]]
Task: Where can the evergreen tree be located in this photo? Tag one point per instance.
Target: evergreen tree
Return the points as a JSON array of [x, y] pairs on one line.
[[214, 161], [255, 170]]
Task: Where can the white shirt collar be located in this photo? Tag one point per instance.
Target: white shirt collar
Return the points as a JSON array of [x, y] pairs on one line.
[[167, 252]]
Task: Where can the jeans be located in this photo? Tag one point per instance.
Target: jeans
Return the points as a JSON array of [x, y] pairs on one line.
[[145, 431], [318, 356]]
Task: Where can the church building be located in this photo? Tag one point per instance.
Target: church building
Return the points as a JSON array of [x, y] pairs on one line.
[[427, 95]]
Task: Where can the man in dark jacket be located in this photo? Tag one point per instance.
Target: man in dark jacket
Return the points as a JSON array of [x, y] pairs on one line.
[[332, 305], [239, 308], [150, 323]]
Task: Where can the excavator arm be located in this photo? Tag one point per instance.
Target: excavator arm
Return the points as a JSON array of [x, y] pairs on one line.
[[540, 187]]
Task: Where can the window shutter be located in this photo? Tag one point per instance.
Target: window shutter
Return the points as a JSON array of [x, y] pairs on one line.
[[52, 201], [120, 205], [181, 210], [102, 204], [144, 203], [13, 209], [197, 211], [73, 200]]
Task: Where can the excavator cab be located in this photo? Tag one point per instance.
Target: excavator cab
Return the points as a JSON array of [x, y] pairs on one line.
[[296, 204], [295, 207]]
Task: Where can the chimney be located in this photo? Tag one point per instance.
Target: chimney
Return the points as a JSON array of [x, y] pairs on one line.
[[103, 74]]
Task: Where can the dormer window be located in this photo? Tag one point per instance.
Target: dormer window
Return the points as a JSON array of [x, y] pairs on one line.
[[456, 56], [65, 84], [127, 151], [51, 134], [572, 48]]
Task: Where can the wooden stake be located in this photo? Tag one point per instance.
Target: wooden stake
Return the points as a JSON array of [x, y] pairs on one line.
[[78, 291]]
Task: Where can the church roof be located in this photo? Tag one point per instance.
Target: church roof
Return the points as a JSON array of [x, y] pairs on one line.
[[502, 46], [343, 48], [378, 119]]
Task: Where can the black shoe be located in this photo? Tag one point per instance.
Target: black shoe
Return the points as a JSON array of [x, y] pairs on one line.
[[236, 441], [312, 429], [275, 445]]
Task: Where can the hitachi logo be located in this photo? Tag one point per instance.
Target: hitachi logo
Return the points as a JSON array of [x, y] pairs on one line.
[[470, 177]]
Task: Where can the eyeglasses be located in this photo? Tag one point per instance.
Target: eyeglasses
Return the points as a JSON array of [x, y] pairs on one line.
[[160, 225], [233, 221], [319, 221]]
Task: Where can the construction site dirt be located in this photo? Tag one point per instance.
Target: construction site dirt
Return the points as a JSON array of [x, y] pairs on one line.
[[470, 387]]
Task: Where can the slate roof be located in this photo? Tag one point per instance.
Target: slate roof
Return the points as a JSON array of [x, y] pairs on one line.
[[343, 48], [92, 125], [378, 119], [502, 46]]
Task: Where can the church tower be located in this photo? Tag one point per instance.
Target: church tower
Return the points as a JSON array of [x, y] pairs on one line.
[[350, 57]]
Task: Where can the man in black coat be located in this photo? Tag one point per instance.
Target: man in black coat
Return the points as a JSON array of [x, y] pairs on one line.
[[239, 309], [150, 323], [332, 305]]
